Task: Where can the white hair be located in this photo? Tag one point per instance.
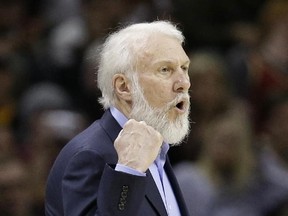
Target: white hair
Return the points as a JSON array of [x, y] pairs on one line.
[[121, 50]]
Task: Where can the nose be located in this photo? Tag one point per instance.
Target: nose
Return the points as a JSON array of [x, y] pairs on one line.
[[182, 83]]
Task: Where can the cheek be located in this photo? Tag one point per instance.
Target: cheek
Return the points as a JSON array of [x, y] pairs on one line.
[[156, 97], [156, 94]]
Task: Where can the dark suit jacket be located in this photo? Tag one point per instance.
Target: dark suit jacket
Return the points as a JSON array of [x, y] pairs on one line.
[[82, 180]]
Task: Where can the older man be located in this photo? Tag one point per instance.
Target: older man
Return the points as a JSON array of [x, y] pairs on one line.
[[119, 165]]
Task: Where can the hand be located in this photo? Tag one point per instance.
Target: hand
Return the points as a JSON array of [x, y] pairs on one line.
[[138, 145]]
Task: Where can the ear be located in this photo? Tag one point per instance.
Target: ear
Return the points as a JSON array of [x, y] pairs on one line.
[[122, 87]]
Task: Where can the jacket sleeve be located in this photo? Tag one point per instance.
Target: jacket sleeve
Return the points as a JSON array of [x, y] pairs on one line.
[[91, 187]]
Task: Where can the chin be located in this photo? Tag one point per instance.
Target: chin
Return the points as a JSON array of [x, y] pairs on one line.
[[175, 116], [176, 131]]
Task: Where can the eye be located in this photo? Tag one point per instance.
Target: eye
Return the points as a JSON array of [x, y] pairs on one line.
[[165, 70], [185, 68]]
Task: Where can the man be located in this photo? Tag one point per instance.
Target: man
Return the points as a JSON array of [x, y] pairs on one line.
[[118, 165]]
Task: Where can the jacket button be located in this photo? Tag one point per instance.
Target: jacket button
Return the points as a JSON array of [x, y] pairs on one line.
[[125, 188], [123, 196], [121, 206]]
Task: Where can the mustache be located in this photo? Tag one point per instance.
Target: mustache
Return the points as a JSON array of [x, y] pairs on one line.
[[179, 98]]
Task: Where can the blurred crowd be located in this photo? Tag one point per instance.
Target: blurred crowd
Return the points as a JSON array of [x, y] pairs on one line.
[[235, 159]]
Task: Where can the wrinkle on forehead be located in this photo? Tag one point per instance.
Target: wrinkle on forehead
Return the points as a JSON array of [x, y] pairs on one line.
[[158, 48]]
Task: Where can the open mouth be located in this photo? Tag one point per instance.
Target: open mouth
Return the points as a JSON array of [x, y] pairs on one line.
[[180, 106]]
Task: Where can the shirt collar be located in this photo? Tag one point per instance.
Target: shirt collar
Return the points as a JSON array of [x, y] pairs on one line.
[[119, 116]]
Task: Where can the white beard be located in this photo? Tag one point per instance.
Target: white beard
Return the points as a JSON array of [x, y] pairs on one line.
[[172, 132]]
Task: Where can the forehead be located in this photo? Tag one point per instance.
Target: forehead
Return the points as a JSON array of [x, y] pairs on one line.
[[162, 48]]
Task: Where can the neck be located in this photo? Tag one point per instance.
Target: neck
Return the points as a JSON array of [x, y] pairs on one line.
[[124, 107]]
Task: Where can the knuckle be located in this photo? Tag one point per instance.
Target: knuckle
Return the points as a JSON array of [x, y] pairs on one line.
[[130, 122]]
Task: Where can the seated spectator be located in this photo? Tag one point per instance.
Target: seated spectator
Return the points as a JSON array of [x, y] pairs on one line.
[[263, 69], [274, 148], [225, 180], [211, 95], [48, 120], [274, 154], [7, 99], [15, 196]]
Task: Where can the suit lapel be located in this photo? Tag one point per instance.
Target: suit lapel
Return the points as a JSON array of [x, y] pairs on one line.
[[110, 125], [153, 196]]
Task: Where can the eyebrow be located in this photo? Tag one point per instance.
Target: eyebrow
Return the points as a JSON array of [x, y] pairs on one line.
[[167, 61]]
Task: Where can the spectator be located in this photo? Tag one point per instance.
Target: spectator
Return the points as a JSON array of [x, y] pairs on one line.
[[7, 95], [47, 121], [15, 196], [207, 23], [211, 95], [263, 69], [226, 179], [274, 156]]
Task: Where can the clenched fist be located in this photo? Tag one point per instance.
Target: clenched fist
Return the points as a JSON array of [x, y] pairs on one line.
[[138, 145]]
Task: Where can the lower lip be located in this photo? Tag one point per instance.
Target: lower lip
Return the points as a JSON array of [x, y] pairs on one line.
[[183, 110]]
